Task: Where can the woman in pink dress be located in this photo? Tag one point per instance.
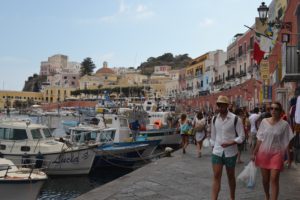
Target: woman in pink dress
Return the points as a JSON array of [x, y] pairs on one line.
[[273, 138]]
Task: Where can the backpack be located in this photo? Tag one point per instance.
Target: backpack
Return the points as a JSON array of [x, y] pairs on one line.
[[235, 122], [184, 128], [135, 125]]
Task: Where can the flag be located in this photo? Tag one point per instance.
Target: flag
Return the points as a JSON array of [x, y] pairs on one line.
[[258, 54]]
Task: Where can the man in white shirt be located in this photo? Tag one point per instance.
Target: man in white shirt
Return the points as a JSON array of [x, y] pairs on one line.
[[225, 135], [253, 130]]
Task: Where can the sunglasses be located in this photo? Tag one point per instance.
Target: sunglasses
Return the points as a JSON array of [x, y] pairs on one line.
[[275, 108]]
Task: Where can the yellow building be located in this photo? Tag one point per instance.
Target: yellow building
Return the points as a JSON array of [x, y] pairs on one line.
[[197, 66], [133, 78], [90, 82], [107, 75], [54, 94], [8, 98]]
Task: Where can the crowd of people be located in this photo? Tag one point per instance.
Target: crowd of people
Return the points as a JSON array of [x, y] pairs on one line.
[[266, 133]]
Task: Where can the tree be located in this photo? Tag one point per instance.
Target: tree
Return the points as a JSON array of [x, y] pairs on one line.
[[36, 87], [87, 67]]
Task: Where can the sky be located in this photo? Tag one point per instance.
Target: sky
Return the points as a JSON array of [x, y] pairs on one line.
[[124, 33]]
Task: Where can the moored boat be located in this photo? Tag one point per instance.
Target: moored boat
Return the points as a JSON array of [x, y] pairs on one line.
[[22, 141], [19, 183], [109, 152]]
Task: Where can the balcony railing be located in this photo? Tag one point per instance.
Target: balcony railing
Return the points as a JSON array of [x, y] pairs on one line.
[[230, 60], [218, 82], [198, 74], [228, 78]]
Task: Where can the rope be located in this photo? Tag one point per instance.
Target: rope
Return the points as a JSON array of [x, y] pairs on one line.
[[131, 159], [124, 166]]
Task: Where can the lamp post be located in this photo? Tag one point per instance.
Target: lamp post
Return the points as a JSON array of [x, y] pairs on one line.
[[277, 23], [263, 12]]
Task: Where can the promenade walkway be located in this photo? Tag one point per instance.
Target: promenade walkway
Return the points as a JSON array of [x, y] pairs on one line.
[[186, 177]]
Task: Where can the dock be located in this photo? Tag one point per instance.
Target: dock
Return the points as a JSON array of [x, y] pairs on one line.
[[186, 177]]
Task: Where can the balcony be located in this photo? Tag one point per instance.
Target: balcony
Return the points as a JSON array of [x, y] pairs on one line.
[[229, 61], [198, 74], [231, 77], [204, 93], [189, 77], [218, 82], [241, 74]]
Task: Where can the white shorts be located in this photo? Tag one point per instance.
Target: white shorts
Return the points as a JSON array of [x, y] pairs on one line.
[[199, 136]]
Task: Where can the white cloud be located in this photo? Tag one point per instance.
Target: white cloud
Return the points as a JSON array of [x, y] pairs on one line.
[[143, 12], [125, 11], [123, 8], [207, 22]]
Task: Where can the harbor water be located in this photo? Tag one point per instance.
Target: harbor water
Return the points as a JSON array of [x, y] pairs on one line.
[[69, 187]]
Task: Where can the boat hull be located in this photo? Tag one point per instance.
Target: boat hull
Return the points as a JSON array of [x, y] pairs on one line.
[[62, 163], [125, 154], [20, 189], [168, 137]]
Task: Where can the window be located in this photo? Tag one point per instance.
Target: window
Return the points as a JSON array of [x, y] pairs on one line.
[[2, 147], [25, 148], [106, 136], [18, 134], [36, 134], [4, 133], [251, 42], [123, 122], [47, 133]]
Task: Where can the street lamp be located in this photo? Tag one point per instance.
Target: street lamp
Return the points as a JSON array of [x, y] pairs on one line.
[[263, 12], [277, 23]]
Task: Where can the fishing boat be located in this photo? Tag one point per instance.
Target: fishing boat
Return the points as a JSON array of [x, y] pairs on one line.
[[19, 183], [161, 127], [110, 153], [23, 141]]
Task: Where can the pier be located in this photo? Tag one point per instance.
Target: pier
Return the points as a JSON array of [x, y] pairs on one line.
[[186, 177]]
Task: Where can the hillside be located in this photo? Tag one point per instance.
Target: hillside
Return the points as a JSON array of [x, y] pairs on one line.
[[34, 83], [176, 62]]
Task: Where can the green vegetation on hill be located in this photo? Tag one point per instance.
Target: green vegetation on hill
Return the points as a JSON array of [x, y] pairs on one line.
[[34, 83], [176, 62]]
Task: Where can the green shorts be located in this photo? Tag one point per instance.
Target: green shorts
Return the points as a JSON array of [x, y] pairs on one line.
[[227, 161]]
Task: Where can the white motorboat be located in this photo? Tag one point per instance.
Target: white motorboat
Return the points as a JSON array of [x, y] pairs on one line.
[[19, 183], [22, 141], [163, 131]]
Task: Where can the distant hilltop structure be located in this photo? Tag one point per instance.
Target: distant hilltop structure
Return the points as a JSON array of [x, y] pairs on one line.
[[59, 64]]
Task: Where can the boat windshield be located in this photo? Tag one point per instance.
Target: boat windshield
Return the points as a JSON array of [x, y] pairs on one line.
[[13, 134], [47, 133], [84, 136], [107, 135], [36, 134]]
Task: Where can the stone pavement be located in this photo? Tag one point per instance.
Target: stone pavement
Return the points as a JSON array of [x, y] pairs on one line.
[[186, 177]]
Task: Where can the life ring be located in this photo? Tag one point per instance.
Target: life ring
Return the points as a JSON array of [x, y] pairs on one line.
[[157, 124]]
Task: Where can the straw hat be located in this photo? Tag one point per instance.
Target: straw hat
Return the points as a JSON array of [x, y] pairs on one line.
[[223, 99]]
